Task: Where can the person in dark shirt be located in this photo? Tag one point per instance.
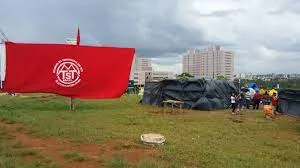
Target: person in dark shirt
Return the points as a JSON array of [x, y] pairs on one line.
[[241, 102], [266, 98]]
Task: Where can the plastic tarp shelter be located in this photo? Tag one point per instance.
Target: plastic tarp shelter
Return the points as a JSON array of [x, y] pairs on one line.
[[253, 86], [252, 92], [289, 102], [196, 94]]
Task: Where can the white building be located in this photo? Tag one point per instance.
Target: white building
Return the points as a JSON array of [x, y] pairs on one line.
[[210, 62], [161, 75], [142, 70], [140, 67], [189, 61]]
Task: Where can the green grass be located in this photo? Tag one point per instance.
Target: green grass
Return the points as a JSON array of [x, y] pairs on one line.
[[18, 144], [120, 162], [10, 157], [193, 139], [24, 153], [117, 162], [75, 156]]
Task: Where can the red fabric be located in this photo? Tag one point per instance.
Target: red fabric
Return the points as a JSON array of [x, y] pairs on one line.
[[36, 68], [274, 101], [257, 97], [78, 37]]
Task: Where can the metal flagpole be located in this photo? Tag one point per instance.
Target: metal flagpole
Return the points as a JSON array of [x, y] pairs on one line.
[[2, 41], [1, 64], [72, 105], [71, 41], [70, 99]]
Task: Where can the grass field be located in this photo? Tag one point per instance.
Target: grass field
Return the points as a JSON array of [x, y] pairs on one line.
[[42, 132]]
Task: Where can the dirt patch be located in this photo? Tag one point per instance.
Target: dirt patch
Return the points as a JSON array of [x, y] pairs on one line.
[[136, 155], [131, 152], [50, 147], [54, 148]]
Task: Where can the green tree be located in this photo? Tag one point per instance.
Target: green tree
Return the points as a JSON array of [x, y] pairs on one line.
[[222, 78], [185, 75]]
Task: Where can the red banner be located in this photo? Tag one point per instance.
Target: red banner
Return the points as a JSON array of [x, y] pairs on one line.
[[68, 70]]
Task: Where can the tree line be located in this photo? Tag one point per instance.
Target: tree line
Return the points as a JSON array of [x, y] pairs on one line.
[[269, 84]]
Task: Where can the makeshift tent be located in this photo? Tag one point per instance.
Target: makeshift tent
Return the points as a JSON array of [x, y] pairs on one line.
[[253, 86], [289, 102], [245, 90], [196, 94]]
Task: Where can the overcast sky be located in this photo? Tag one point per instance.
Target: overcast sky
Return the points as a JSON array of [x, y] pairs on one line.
[[264, 34]]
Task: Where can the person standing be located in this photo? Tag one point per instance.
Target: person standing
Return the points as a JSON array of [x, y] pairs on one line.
[[256, 100], [274, 102], [141, 92], [233, 102], [241, 102], [248, 99], [266, 98]]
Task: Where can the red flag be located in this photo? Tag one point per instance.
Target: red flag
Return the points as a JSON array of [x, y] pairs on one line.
[[73, 71], [78, 37]]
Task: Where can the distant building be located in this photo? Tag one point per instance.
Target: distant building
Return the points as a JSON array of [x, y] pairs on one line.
[[210, 62], [189, 62], [140, 67], [161, 75], [142, 72], [267, 76], [71, 41]]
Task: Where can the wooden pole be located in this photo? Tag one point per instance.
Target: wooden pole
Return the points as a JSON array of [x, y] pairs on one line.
[[72, 105]]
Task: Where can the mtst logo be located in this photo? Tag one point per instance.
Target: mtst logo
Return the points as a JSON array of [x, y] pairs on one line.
[[67, 72]]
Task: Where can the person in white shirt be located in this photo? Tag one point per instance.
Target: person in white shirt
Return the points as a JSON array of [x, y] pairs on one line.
[[233, 102]]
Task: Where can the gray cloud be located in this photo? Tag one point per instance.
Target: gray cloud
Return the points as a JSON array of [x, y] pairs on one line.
[[221, 13], [149, 27], [276, 12], [291, 6], [158, 29], [287, 6]]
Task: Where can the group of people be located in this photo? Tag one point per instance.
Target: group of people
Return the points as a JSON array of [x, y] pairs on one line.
[[240, 101]]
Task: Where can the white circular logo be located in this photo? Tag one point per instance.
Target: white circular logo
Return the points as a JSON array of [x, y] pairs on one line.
[[67, 72]]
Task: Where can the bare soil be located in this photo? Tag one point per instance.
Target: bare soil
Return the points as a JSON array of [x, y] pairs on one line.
[[53, 148]]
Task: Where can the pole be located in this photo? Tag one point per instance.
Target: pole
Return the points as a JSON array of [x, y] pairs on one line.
[[213, 64], [72, 105], [0, 64], [239, 82], [3, 35], [2, 40], [71, 100]]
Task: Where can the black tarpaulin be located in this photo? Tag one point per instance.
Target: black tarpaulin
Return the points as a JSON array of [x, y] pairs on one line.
[[196, 94], [289, 102]]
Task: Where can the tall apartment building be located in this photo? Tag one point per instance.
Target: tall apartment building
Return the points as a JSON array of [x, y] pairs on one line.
[[210, 62], [189, 61]]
